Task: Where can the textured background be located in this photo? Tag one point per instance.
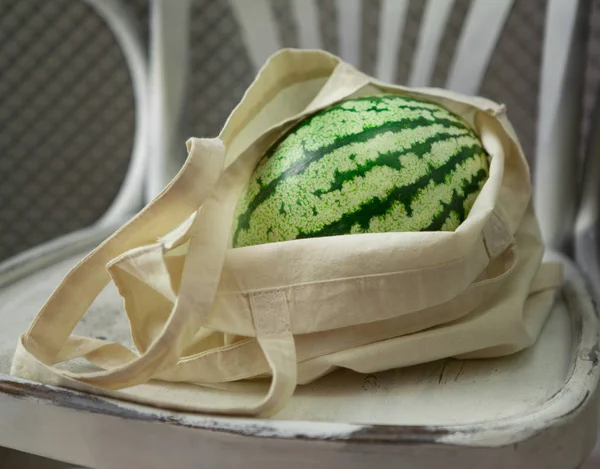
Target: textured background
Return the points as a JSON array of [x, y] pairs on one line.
[[66, 99], [66, 120]]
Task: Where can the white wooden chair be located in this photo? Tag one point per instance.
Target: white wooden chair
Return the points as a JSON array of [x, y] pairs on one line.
[[535, 409]]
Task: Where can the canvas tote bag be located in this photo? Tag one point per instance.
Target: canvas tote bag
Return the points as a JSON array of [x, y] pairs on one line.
[[234, 331]]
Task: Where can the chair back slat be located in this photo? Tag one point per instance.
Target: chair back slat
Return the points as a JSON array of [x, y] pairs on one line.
[[447, 46], [257, 23], [558, 123], [391, 26], [349, 30], [371, 16], [123, 24], [328, 25], [309, 33], [478, 38], [435, 18], [410, 36], [168, 86], [513, 74], [287, 23], [587, 226]]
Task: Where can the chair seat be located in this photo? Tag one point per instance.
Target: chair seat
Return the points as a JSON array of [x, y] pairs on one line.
[[493, 413]]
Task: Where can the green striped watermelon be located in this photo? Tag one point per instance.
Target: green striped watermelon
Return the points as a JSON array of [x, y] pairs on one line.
[[374, 164]]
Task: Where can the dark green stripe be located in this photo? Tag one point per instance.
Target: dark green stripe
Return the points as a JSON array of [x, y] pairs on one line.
[[376, 100], [390, 108], [405, 194], [340, 142], [339, 107], [457, 203], [390, 159]]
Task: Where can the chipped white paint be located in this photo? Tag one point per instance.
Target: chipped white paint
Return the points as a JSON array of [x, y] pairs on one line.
[[285, 429], [125, 29]]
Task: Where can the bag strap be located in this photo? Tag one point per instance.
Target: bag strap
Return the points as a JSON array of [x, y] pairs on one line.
[[194, 187], [189, 190], [48, 340], [273, 336], [277, 346]]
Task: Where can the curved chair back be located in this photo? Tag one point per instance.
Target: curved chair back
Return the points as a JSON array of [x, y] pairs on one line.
[[72, 117], [527, 54]]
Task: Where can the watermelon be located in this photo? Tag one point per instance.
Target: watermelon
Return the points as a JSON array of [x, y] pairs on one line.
[[365, 165]]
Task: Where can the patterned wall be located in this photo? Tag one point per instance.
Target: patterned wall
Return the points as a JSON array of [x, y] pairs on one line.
[[66, 120]]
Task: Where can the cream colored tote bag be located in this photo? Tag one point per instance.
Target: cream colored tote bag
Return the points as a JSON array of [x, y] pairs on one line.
[[214, 327]]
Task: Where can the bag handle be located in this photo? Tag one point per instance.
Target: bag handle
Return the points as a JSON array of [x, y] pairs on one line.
[[189, 190], [277, 346], [193, 187], [273, 335]]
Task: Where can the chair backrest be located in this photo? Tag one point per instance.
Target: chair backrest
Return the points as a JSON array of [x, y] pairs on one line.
[[124, 26], [72, 76], [520, 52], [587, 227], [525, 53]]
